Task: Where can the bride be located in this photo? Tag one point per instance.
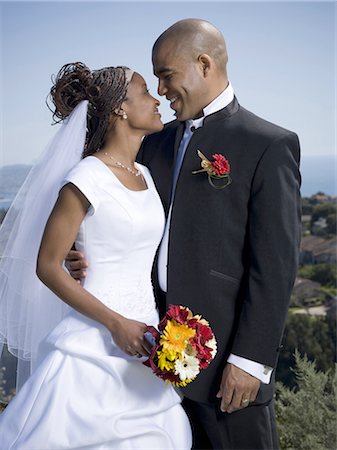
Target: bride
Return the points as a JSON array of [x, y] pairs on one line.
[[86, 343]]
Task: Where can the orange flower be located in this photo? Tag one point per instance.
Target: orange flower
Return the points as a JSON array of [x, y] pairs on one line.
[[175, 336]]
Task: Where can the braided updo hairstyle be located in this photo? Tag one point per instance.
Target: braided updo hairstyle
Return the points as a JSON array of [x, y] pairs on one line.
[[105, 89]]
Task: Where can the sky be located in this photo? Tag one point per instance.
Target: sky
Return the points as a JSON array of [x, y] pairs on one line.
[[281, 60]]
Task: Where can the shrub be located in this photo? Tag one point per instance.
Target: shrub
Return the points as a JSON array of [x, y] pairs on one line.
[[306, 414]]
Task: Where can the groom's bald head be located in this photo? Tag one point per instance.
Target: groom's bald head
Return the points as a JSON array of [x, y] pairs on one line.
[[189, 59], [192, 37]]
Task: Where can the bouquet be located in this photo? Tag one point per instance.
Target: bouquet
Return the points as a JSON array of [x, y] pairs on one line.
[[183, 345]]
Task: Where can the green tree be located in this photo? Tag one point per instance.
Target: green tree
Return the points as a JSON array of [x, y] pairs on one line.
[[331, 319], [323, 273], [306, 415], [331, 224], [307, 209], [323, 210], [311, 335]]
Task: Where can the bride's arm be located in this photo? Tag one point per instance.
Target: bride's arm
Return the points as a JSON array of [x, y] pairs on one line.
[[59, 235]]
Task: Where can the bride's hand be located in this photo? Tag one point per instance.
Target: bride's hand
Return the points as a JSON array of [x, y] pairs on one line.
[[128, 334]]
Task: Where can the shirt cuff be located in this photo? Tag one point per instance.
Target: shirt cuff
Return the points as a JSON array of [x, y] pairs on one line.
[[257, 370]]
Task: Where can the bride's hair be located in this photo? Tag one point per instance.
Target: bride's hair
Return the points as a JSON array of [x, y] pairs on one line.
[[105, 89]]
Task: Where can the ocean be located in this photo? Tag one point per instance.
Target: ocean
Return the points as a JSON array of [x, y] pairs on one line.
[[318, 175], [11, 179]]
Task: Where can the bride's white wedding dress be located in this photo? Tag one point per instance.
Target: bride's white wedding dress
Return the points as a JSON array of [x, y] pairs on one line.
[[85, 392]]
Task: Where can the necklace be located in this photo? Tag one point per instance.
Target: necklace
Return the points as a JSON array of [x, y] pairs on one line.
[[119, 164]]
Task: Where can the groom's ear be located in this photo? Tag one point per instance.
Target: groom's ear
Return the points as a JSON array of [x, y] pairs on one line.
[[205, 63]]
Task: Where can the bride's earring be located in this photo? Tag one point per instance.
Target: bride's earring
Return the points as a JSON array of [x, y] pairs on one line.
[[121, 113]]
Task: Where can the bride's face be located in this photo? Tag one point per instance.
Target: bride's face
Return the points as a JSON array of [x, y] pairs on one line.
[[141, 107]]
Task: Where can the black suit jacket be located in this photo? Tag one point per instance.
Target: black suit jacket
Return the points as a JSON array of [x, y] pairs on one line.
[[233, 252]]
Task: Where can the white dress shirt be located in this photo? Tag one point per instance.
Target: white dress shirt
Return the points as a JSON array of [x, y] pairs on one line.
[[263, 373]]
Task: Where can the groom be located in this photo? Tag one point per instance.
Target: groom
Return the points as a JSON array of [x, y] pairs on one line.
[[229, 254], [230, 250]]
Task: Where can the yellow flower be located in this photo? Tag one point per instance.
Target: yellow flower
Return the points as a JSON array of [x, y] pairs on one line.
[[175, 336], [183, 383], [166, 359]]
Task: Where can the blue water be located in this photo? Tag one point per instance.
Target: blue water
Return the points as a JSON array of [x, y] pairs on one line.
[[11, 178], [318, 174]]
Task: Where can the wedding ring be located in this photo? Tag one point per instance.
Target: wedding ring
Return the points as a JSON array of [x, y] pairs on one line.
[[245, 401]]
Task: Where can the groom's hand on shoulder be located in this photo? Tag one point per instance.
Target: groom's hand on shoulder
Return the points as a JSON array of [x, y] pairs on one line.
[[76, 264], [237, 389]]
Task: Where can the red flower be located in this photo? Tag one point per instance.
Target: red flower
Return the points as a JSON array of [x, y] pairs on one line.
[[219, 169], [221, 165], [178, 313], [203, 364], [204, 353], [201, 329], [163, 374], [162, 323]]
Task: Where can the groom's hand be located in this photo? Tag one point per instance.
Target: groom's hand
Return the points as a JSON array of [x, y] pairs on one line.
[[237, 389], [76, 264]]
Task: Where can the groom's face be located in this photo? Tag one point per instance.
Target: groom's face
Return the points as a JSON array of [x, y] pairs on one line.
[[180, 80]]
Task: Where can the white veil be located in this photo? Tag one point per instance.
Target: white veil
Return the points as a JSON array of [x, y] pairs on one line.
[[28, 309]]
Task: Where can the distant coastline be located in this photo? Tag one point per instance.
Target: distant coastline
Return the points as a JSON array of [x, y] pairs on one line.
[[11, 179], [318, 175]]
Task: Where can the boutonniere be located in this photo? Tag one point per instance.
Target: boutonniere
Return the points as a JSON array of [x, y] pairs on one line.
[[219, 169]]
